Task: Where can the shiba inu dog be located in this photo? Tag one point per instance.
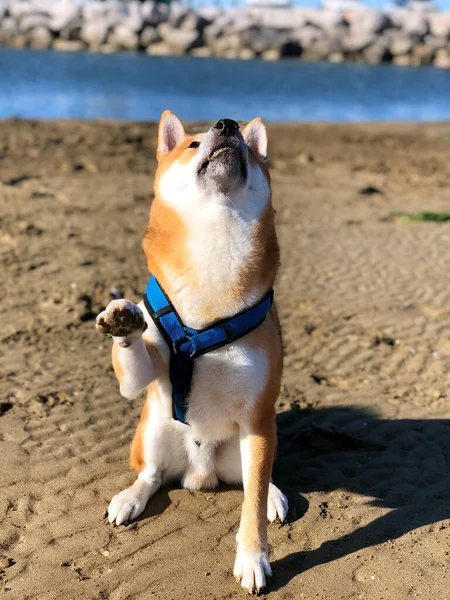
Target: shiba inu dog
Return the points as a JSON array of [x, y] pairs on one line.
[[212, 250]]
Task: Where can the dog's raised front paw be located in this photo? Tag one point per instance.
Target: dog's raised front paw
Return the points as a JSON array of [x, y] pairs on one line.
[[277, 504], [251, 569], [120, 319]]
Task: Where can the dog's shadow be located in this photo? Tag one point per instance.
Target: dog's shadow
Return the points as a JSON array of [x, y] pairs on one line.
[[403, 464]]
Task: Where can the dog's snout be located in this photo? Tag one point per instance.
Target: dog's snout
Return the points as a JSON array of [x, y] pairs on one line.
[[226, 127]]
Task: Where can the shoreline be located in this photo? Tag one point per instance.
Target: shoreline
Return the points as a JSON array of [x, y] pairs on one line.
[[400, 36]]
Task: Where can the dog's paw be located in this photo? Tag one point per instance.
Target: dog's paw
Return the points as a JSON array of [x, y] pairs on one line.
[[120, 319], [277, 504], [251, 570], [126, 506], [194, 481]]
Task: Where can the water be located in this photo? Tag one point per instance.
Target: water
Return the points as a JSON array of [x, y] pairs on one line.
[[53, 85]]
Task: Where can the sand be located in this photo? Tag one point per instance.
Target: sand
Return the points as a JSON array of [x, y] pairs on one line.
[[364, 429]]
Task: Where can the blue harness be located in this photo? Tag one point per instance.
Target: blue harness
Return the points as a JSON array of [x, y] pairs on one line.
[[186, 344]]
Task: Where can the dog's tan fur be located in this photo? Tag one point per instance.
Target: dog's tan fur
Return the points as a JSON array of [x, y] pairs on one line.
[[210, 271]]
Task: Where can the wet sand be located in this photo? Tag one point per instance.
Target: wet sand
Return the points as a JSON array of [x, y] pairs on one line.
[[364, 415]]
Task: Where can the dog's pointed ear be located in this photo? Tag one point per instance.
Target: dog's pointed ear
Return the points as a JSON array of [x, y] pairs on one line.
[[255, 137], [170, 133]]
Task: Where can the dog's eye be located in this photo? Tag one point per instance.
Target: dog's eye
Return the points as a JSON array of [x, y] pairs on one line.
[[194, 145]]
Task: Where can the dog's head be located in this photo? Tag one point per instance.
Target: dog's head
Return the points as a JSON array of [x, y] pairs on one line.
[[223, 165]]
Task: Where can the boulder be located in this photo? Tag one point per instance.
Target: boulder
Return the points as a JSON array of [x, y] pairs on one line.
[[262, 39], [336, 57], [32, 21], [442, 59], [307, 36], [277, 18], [178, 12], [19, 8], [202, 52], [62, 13], [222, 46], [209, 13], [154, 13], [423, 54], [271, 54], [400, 45], [8, 30], [178, 40], [123, 37], [159, 49], [72, 31], [68, 45], [94, 33], [377, 53], [439, 24], [415, 24], [357, 42], [325, 19], [370, 21], [40, 37], [402, 60], [246, 54], [149, 35], [134, 20], [4, 6], [436, 42]]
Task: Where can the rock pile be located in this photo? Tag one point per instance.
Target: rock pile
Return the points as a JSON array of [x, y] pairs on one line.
[[400, 36]]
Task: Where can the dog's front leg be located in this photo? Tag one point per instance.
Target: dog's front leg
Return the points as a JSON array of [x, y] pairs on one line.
[[257, 441], [125, 322]]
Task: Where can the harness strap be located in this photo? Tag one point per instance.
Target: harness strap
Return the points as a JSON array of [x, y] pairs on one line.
[[186, 344]]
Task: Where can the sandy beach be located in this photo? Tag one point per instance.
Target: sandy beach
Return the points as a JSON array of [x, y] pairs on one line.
[[364, 414]]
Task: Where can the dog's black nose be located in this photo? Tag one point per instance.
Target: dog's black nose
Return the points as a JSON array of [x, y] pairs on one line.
[[226, 127]]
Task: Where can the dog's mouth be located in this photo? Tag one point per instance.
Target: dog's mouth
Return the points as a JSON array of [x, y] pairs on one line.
[[227, 155]]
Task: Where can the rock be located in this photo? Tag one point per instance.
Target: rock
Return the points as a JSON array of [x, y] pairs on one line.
[[415, 25], [19, 41], [68, 45], [193, 22], [423, 55], [160, 49], [261, 39], [435, 42], [246, 54], [442, 59], [402, 61], [377, 53], [4, 6], [357, 42], [149, 35], [277, 18], [307, 36], [32, 21], [40, 37], [72, 31], [400, 46], [178, 12], [225, 45], [202, 52], [370, 21], [135, 20], [93, 10], [209, 13], [271, 54], [179, 41], [154, 13], [336, 57], [325, 19], [62, 14], [19, 8], [439, 24], [94, 32], [124, 37]]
